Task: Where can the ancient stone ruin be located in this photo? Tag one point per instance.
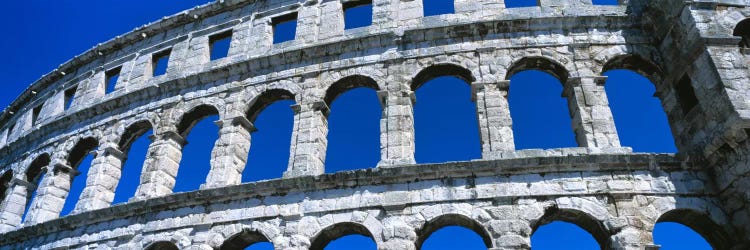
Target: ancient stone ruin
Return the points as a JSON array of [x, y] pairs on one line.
[[695, 52]]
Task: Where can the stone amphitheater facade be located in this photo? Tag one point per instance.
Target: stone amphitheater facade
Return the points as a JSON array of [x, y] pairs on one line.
[[695, 53]]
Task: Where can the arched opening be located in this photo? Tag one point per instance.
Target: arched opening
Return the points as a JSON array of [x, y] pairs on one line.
[[562, 235], [134, 144], [162, 245], [541, 116], [79, 159], [681, 228], [743, 30], [353, 124], [247, 239], [558, 227], [34, 174], [640, 118], [445, 118], [437, 229], [200, 133], [5, 184], [325, 239], [273, 118]]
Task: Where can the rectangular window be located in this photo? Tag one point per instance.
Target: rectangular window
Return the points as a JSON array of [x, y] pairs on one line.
[[219, 45], [160, 62], [35, 114], [110, 80], [357, 14], [605, 2], [686, 94], [69, 96], [437, 7], [284, 28], [521, 3]]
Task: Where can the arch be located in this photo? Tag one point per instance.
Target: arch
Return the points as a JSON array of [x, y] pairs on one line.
[[5, 183], [80, 150], [438, 70], [193, 116], [266, 98], [133, 132], [582, 219], [335, 231], [700, 223], [742, 29], [37, 167], [162, 245], [347, 83], [539, 63], [244, 239], [636, 63], [452, 220]]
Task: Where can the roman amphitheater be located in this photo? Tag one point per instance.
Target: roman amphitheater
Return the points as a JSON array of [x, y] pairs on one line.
[[697, 54]]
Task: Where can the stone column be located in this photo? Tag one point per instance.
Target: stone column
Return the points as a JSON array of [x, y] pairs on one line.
[[161, 165], [589, 108], [14, 204], [50, 197], [493, 115], [309, 140], [633, 230], [230, 152], [102, 180], [396, 128]]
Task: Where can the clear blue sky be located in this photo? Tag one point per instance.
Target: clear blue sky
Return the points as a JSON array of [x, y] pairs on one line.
[[40, 35]]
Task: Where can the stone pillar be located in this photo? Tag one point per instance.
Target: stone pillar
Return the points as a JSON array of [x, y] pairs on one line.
[[50, 197], [332, 20], [633, 231], [14, 204], [589, 108], [161, 165], [493, 115], [230, 152], [309, 140], [396, 128], [102, 180]]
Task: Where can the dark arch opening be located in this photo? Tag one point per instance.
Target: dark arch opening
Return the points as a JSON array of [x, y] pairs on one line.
[[353, 124], [34, 174], [134, 144], [440, 70], [5, 184], [333, 232], [635, 63], [162, 245], [578, 218], [539, 63], [347, 83], [80, 159], [80, 150], [195, 115], [267, 98], [37, 168], [743, 30], [133, 132], [272, 116], [452, 220], [243, 239], [701, 223]]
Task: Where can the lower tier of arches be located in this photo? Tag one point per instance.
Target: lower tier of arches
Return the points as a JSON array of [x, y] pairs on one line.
[[616, 198]]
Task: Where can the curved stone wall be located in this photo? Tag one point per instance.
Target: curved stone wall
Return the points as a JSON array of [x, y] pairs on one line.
[[611, 192]]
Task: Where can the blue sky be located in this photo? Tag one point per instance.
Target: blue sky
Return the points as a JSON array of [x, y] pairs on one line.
[[40, 35]]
